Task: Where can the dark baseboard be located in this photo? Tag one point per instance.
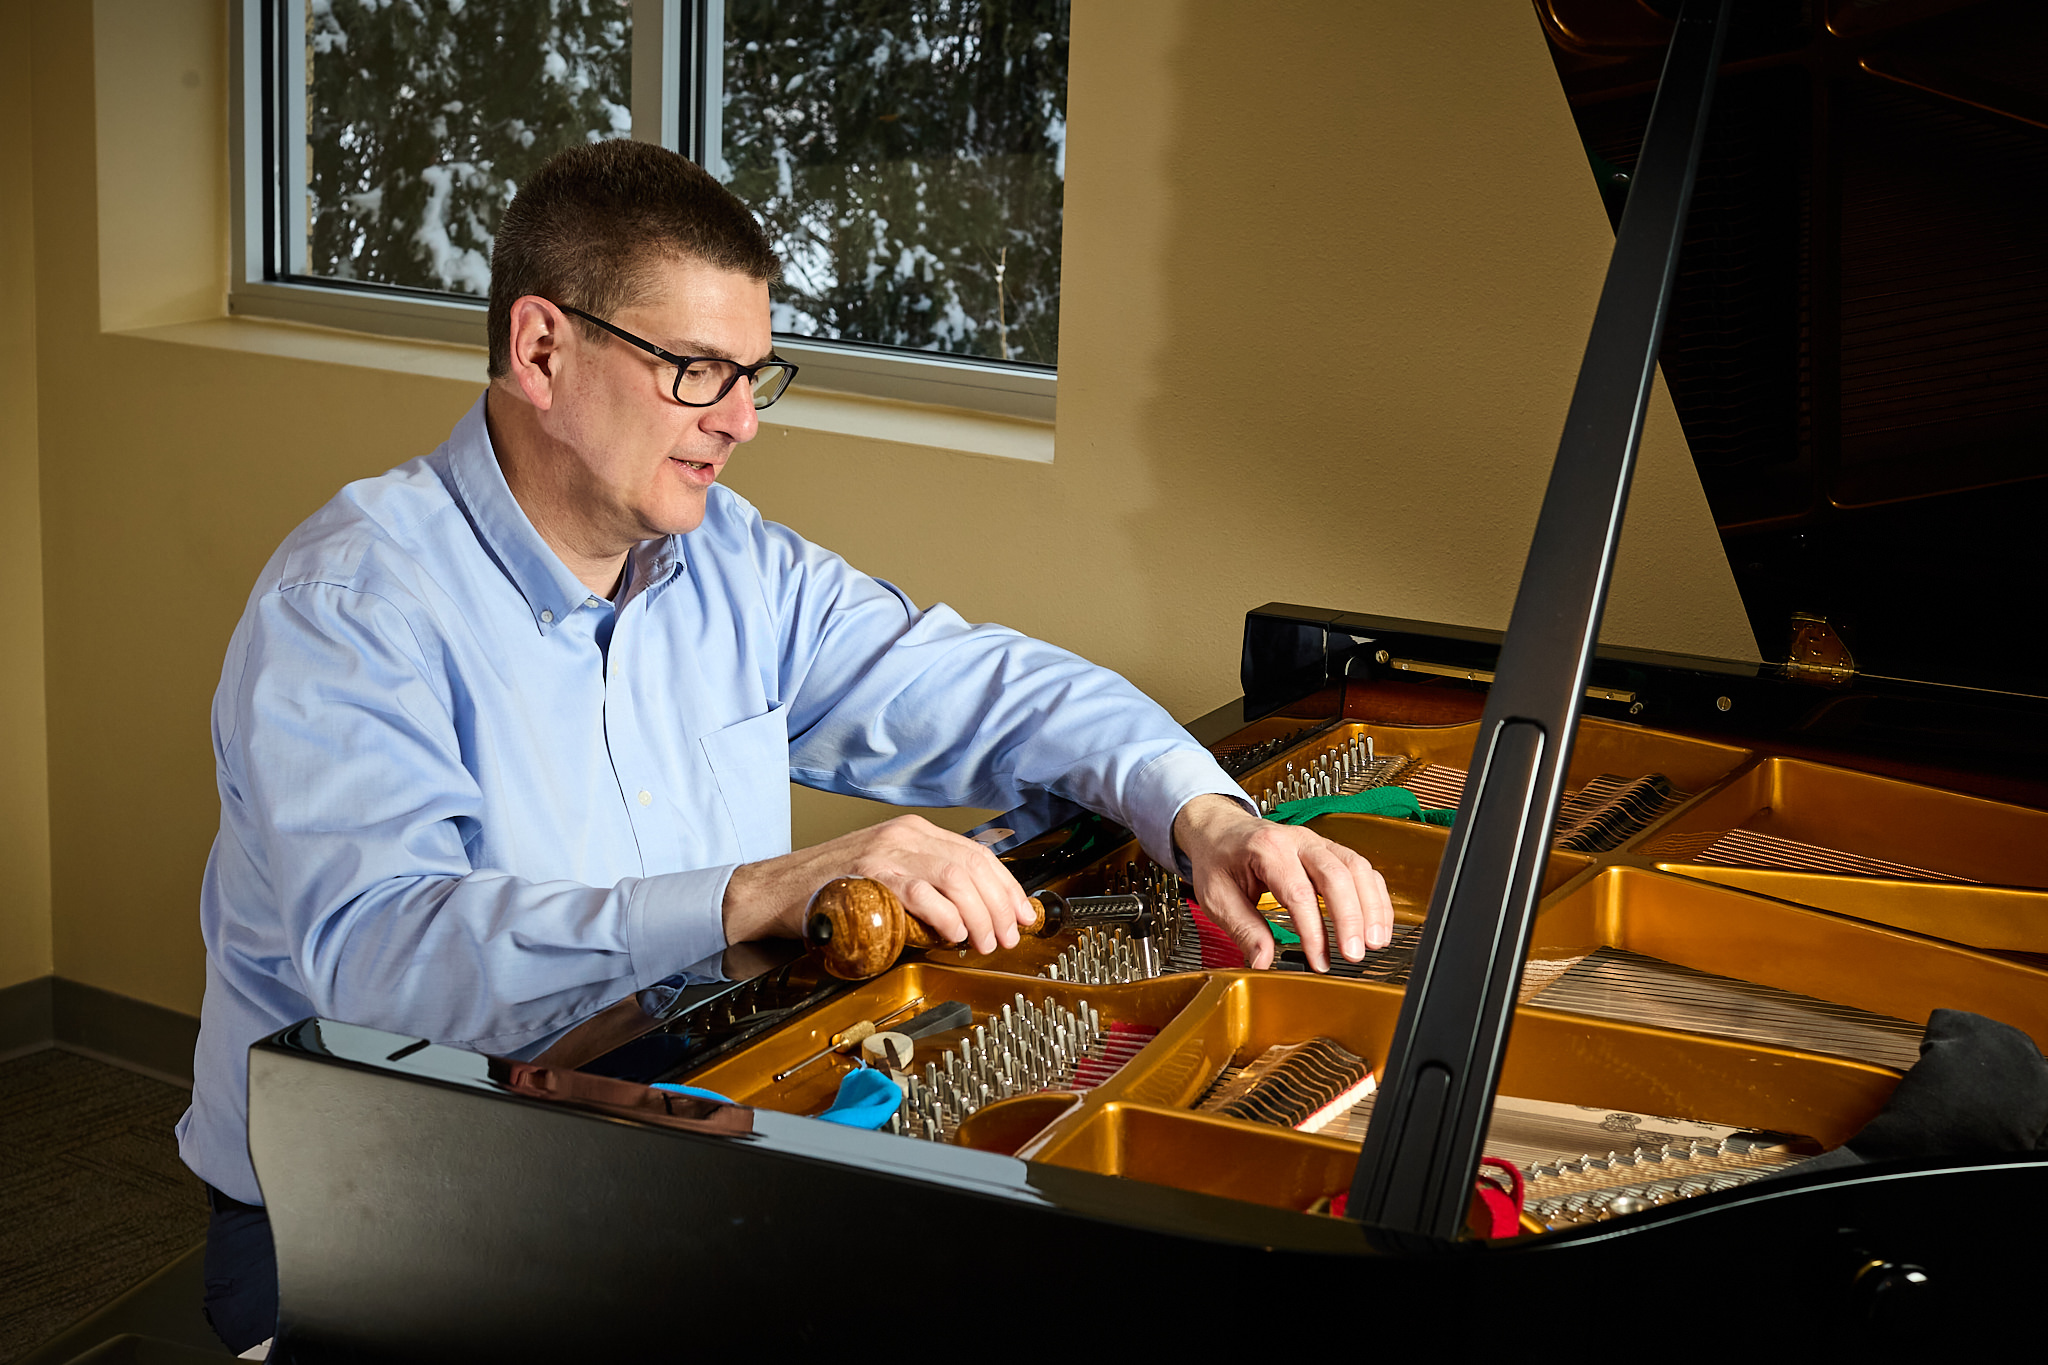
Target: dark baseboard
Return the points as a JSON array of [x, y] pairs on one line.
[[51, 1011], [28, 1016]]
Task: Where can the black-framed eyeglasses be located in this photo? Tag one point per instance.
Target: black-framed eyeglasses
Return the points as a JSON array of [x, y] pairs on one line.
[[703, 381]]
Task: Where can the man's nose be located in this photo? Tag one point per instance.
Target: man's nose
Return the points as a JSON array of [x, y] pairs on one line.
[[733, 416]]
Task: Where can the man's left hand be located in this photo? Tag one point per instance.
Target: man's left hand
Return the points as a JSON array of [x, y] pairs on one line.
[[1236, 856]]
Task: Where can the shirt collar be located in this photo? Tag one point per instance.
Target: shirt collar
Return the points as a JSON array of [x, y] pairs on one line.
[[650, 567], [551, 591]]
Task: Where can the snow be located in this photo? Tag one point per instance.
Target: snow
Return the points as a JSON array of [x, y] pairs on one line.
[[460, 269]]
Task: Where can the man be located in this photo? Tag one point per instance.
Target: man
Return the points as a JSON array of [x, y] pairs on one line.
[[506, 734]]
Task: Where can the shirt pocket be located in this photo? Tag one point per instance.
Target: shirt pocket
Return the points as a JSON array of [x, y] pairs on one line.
[[750, 761]]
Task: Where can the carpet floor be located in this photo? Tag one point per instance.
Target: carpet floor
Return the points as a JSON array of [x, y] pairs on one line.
[[93, 1198]]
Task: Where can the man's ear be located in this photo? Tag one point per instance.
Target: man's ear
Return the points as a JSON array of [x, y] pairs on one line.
[[538, 331]]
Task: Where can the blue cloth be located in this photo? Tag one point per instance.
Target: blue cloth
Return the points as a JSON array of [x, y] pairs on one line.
[[866, 1098], [462, 798], [692, 1090]]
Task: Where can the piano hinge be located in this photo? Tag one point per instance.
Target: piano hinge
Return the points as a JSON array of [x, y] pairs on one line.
[[1817, 654], [1486, 676]]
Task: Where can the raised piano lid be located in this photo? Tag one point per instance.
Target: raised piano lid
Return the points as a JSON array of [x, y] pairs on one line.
[[1857, 349], [1858, 342]]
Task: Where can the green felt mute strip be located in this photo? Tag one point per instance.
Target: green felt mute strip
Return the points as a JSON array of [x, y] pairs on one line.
[[1395, 803]]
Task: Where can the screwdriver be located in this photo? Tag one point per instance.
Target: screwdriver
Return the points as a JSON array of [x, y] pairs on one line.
[[851, 1037]]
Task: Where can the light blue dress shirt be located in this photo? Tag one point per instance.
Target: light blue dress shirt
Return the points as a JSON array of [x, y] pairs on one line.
[[465, 799]]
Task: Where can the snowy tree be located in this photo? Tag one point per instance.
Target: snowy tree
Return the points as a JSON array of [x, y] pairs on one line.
[[907, 156], [423, 117]]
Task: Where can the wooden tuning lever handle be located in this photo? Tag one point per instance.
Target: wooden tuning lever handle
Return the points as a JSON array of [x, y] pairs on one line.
[[859, 928]]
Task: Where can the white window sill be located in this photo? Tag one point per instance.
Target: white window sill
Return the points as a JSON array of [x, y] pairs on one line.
[[807, 409], [918, 424]]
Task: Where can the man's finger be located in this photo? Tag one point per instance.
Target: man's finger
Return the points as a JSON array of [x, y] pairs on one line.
[[928, 905], [1379, 909], [998, 891], [1226, 906], [1335, 878], [957, 884], [1284, 876]]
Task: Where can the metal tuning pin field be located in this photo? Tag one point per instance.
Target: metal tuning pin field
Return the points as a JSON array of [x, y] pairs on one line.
[[1021, 1049]]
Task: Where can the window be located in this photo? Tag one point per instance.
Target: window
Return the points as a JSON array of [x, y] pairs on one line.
[[906, 155]]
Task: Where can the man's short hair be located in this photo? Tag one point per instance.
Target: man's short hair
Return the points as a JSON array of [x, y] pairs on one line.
[[594, 221]]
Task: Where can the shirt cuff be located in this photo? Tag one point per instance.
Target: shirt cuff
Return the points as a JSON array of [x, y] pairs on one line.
[[1165, 785], [676, 919]]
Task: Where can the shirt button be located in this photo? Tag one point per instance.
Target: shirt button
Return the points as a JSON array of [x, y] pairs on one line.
[[615, 668], [646, 798], [547, 616], [592, 602]]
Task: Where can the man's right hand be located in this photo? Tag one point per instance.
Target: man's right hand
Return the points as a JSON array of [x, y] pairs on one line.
[[954, 885]]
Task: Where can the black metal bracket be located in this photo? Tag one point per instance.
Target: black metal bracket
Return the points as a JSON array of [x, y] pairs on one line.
[[1422, 1151]]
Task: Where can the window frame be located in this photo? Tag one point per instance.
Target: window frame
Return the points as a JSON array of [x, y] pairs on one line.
[[677, 80]]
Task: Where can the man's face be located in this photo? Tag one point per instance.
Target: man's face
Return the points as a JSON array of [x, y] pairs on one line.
[[640, 464]]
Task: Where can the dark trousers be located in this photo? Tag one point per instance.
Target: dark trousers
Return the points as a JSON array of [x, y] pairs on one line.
[[241, 1272]]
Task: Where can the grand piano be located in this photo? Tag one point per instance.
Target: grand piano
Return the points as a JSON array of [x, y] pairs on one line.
[[1681, 938]]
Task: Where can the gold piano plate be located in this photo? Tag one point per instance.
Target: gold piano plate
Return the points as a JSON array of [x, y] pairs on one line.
[[1796, 806], [1139, 1124], [1728, 933], [748, 1075], [2000, 918]]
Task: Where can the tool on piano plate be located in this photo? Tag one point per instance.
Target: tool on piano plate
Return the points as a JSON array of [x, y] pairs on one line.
[[888, 1051], [859, 928], [1022, 1049], [1132, 935], [949, 1014], [893, 1049], [851, 1037]]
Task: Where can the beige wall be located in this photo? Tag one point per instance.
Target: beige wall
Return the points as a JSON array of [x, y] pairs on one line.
[[1400, 211], [24, 770], [169, 473]]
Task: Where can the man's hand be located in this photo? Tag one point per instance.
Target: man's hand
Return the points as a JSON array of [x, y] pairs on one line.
[[953, 884], [1236, 856]]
